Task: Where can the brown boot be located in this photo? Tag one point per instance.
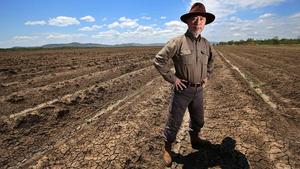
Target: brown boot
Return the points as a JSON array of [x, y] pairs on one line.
[[197, 142], [167, 154]]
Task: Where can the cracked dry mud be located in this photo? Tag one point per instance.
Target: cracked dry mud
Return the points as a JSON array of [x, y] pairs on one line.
[[106, 108]]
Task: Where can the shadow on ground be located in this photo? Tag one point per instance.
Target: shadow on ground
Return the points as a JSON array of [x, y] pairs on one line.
[[223, 155]]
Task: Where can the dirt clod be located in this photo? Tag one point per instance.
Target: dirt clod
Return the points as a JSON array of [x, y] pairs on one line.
[[62, 113], [28, 121], [16, 98]]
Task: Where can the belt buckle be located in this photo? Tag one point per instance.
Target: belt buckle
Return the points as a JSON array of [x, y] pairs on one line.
[[186, 83], [198, 84]]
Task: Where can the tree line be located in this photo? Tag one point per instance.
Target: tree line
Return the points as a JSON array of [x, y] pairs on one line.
[[273, 41]]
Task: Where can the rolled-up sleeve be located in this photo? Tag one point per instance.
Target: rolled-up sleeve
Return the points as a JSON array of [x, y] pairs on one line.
[[162, 59]]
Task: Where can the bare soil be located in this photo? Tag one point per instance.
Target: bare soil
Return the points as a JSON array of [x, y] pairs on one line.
[[107, 107], [275, 69]]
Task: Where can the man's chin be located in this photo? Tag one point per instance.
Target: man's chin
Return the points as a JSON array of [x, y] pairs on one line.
[[197, 30]]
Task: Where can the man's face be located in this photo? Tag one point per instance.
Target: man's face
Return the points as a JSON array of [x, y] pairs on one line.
[[196, 23]]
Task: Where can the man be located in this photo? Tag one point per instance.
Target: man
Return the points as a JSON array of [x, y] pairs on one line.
[[193, 61]]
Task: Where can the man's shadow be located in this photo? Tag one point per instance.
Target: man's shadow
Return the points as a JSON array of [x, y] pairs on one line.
[[210, 155]]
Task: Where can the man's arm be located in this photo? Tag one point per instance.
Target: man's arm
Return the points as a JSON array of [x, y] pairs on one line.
[[210, 64], [162, 59]]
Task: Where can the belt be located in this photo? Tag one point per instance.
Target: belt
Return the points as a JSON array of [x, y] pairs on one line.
[[189, 84]]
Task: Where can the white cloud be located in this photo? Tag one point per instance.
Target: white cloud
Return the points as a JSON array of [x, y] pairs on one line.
[[145, 29], [107, 35], [235, 28], [234, 19], [146, 17], [39, 39], [296, 15], [266, 15], [35, 23], [64, 36], [113, 25], [260, 21], [230, 27], [127, 30], [238, 29], [88, 19], [124, 22], [236, 34], [217, 7], [128, 23], [63, 21], [223, 8], [24, 38], [90, 28], [254, 3], [141, 33], [175, 24]]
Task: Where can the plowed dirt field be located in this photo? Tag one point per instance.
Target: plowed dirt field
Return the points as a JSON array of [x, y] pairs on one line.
[[107, 107]]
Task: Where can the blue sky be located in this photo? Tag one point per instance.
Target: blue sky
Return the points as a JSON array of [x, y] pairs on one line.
[[36, 22]]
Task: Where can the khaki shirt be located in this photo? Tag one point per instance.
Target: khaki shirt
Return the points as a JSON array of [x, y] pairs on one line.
[[192, 57]]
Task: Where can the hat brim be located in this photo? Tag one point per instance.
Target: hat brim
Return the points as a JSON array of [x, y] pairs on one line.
[[209, 17]]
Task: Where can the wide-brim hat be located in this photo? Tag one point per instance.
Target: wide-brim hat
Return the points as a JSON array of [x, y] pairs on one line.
[[198, 9]]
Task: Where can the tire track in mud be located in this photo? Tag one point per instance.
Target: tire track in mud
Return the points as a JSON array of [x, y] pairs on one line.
[[271, 72], [102, 62], [72, 71], [264, 63], [128, 137], [279, 85], [250, 83], [243, 130], [119, 138], [38, 95], [38, 130], [45, 58], [118, 124], [275, 82], [272, 62], [50, 62]]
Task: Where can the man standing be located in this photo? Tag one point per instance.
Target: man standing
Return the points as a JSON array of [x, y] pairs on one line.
[[193, 61]]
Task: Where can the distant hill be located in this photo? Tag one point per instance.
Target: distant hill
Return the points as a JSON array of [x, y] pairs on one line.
[[89, 45], [74, 44], [138, 44]]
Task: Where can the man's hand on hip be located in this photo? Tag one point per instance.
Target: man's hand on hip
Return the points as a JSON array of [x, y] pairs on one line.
[[204, 82], [178, 84]]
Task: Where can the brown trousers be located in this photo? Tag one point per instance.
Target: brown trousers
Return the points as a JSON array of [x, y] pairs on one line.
[[191, 98]]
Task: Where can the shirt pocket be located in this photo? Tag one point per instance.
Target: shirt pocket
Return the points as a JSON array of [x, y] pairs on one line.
[[204, 56], [186, 56]]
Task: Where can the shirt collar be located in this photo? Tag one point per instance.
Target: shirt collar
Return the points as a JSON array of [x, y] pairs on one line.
[[191, 35]]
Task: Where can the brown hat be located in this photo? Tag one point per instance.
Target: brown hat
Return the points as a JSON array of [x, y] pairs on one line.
[[198, 9]]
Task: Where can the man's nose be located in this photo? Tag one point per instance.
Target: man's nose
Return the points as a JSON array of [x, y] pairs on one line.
[[197, 20]]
